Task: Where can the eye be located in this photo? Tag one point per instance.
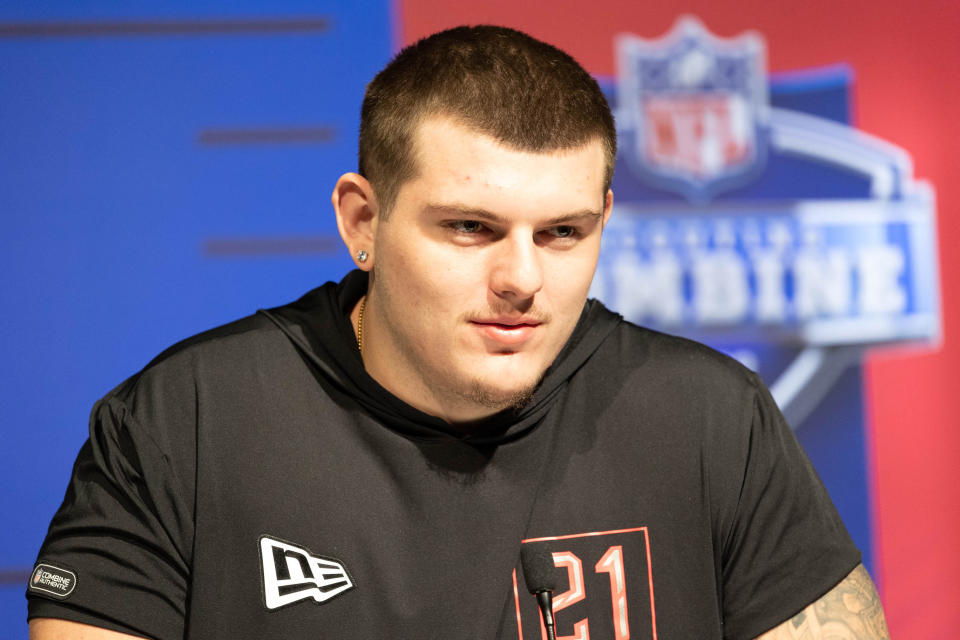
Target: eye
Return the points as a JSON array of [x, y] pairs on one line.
[[563, 231], [466, 226], [561, 236]]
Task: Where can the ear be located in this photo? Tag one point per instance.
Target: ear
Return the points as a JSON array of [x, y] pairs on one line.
[[607, 206], [356, 207]]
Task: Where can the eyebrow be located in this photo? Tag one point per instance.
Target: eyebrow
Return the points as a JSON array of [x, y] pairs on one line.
[[483, 214]]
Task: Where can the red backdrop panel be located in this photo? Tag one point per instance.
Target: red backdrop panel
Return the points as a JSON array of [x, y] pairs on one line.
[[905, 57]]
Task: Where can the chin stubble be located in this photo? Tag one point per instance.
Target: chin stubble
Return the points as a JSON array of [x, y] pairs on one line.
[[482, 395]]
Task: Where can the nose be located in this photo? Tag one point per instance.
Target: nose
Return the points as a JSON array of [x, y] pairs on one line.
[[516, 273]]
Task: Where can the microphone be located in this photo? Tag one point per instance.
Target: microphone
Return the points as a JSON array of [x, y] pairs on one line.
[[538, 572]]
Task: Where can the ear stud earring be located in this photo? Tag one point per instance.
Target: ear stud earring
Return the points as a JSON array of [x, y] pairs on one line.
[[362, 256]]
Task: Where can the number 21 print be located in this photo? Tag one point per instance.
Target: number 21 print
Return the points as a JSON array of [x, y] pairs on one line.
[[604, 588]]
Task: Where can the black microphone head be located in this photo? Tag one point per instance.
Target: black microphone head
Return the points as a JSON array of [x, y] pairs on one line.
[[538, 568]]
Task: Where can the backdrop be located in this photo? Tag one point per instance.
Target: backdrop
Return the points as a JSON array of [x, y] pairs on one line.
[[166, 169]]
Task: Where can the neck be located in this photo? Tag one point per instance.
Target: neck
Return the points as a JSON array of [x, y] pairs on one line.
[[382, 363]]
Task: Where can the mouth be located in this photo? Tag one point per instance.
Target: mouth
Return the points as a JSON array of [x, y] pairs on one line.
[[506, 331]]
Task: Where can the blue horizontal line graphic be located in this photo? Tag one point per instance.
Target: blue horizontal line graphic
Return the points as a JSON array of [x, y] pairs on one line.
[[199, 27]]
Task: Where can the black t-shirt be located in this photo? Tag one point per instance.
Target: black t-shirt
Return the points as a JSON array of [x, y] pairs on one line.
[[254, 482]]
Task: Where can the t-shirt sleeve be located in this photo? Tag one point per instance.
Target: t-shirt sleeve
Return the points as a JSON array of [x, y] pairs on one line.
[[118, 551], [785, 545]]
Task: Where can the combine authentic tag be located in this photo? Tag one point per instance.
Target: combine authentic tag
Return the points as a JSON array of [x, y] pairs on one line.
[[52, 581]]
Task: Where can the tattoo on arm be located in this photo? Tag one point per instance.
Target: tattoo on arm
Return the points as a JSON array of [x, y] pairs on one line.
[[849, 611]]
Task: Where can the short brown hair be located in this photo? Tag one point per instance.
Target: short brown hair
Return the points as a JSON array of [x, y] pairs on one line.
[[498, 81]]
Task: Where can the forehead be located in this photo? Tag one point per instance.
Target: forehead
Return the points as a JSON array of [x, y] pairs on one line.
[[455, 163]]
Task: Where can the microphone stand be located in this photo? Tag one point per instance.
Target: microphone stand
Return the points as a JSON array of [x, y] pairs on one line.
[[545, 602]]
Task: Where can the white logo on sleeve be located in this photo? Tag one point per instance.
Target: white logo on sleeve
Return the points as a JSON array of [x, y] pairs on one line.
[[52, 581], [292, 573]]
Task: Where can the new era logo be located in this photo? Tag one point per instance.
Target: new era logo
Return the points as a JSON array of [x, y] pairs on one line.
[[292, 573]]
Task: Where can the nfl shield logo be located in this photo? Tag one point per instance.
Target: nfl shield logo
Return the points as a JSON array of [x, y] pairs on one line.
[[693, 109]]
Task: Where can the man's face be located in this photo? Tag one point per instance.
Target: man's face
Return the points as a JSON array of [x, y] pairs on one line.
[[481, 270]]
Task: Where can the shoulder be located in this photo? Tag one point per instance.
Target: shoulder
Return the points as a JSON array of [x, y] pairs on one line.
[[691, 398], [236, 336], [221, 351], [217, 377], [676, 367], [243, 330], [238, 351]]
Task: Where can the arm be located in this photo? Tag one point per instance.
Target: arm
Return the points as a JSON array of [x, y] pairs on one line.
[[849, 611], [53, 629], [125, 528]]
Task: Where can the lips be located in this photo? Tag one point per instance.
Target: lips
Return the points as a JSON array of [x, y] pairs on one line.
[[507, 332]]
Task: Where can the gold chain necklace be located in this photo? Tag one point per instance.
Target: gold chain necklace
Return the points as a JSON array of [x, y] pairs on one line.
[[363, 305]]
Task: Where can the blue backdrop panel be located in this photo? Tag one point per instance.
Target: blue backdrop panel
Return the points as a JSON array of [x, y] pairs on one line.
[[162, 170]]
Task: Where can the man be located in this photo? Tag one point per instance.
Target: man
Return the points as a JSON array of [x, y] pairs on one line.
[[370, 460]]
